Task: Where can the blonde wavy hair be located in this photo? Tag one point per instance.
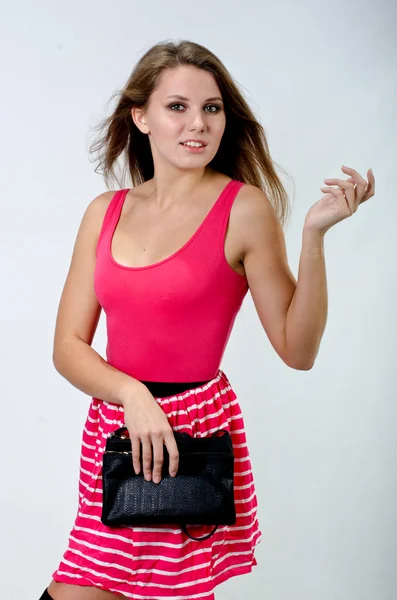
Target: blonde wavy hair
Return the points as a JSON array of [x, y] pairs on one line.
[[243, 153]]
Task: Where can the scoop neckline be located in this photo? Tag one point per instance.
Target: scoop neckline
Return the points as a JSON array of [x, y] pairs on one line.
[[164, 260]]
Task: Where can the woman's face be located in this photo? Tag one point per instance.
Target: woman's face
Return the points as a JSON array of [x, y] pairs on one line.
[[169, 120]]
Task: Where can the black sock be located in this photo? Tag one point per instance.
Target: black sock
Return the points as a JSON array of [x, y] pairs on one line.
[[46, 596]]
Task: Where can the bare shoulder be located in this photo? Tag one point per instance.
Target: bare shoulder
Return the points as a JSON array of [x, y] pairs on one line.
[[253, 201], [99, 205], [257, 218], [94, 215], [79, 310], [270, 279]]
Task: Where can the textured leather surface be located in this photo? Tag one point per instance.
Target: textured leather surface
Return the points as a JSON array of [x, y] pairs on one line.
[[200, 494]]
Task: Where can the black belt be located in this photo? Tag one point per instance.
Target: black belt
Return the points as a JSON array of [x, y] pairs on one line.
[[169, 388]]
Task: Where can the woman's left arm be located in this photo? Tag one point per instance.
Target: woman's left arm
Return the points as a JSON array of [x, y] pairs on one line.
[[294, 313], [307, 314]]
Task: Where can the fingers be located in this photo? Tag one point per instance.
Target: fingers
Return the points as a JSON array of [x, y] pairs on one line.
[[343, 183], [153, 452], [357, 189], [147, 457], [172, 449], [370, 189], [348, 197], [158, 456], [136, 450], [366, 189], [354, 175]]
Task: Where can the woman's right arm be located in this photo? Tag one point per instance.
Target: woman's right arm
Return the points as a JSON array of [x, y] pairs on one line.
[[83, 367], [78, 316]]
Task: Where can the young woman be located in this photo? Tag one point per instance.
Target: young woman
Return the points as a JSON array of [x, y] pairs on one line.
[[170, 261]]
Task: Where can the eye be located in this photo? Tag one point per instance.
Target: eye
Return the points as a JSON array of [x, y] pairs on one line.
[[217, 106]]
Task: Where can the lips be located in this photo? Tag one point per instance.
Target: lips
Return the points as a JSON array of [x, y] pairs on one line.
[[195, 141]]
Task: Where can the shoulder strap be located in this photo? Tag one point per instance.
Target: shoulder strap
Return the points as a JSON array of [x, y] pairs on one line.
[[112, 212], [213, 227], [227, 205]]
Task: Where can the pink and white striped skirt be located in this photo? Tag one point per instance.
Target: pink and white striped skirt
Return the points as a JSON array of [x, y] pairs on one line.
[[148, 563]]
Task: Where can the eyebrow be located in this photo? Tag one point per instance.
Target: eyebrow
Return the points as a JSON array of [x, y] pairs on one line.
[[183, 98]]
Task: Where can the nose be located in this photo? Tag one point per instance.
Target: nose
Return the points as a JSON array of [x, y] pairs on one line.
[[197, 121]]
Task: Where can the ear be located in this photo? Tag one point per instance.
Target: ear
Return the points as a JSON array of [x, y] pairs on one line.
[[139, 118]]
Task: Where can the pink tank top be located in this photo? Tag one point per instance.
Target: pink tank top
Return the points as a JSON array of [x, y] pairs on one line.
[[171, 321]]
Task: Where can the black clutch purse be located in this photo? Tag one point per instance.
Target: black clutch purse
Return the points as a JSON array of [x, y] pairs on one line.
[[201, 493]]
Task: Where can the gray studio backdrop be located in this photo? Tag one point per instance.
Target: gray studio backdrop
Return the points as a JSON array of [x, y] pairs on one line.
[[321, 77]]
